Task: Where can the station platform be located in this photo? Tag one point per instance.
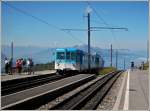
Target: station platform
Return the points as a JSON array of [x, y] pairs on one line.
[[134, 91], [6, 77]]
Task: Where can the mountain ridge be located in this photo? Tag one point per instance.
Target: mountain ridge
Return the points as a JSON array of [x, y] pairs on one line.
[[46, 54]]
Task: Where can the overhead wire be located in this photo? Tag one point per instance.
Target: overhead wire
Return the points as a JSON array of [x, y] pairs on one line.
[[112, 31], [45, 22], [41, 20], [99, 16]]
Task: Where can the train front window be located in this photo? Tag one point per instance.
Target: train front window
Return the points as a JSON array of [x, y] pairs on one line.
[[60, 55]]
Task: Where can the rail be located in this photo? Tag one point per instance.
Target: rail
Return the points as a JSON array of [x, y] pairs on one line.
[[81, 100]]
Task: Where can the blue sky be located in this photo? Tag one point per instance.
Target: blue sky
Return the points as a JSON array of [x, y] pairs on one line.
[[24, 30]]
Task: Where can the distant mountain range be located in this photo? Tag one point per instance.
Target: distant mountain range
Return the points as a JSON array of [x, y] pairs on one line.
[[44, 55]]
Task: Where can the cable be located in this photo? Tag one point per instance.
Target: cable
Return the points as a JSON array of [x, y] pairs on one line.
[[28, 14], [41, 20], [96, 21], [69, 32], [98, 15]]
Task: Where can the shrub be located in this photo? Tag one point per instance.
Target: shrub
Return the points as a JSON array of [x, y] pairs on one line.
[[106, 70]]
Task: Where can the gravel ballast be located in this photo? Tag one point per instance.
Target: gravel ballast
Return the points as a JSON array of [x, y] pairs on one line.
[[110, 99]]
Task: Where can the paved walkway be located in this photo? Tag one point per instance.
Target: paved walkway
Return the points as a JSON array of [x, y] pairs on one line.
[[134, 93], [5, 77], [138, 90]]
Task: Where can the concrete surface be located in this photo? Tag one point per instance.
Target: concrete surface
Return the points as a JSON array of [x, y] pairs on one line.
[[25, 95], [5, 77], [138, 90], [135, 91]]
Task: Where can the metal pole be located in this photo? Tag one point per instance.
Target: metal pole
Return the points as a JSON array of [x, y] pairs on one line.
[[11, 61], [111, 56], [147, 50], [116, 59], [124, 64], [89, 54], [11, 50]]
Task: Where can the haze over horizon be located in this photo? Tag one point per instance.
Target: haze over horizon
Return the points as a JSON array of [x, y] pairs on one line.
[[46, 47], [44, 55]]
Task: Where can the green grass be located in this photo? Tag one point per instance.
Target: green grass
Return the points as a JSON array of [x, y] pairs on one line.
[[146, 65], [106, 70], [41, 67]]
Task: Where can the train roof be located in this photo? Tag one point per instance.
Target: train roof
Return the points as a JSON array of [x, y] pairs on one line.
[[68, 49], [74, 49]]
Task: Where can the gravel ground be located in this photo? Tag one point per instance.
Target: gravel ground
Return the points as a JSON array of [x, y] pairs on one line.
[[109, 100]]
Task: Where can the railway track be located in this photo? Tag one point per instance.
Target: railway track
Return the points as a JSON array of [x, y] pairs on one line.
[[12, 86], [34, 97], [89, 97]]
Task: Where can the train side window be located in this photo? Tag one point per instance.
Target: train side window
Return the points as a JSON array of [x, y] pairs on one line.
[[68, 55], [92, 58], [73, 56], [86, 57], [97, 60], [78, 57], [83, 57]]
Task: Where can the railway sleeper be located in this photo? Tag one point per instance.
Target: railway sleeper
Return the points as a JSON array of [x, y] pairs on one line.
[[76, 105], [98, 97], [35, 102]]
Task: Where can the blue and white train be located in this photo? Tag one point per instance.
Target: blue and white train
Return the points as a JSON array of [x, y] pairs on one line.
[[73, 59]]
